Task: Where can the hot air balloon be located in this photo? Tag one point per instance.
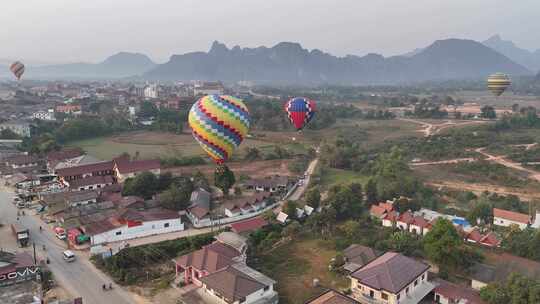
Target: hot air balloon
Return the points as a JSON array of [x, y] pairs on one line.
[[497, 83], [300, 111], [17, 68], [219, 124]]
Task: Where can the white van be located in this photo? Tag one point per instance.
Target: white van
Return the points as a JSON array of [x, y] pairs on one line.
[[69, 256]]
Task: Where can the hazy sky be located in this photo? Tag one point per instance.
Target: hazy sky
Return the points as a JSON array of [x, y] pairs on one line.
[[90, 30]]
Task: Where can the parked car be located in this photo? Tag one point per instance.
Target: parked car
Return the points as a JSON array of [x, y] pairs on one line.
[[68, 256]]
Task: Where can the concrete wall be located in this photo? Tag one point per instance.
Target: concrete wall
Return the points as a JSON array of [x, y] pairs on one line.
[[477, 284], [506, 223], [146, 229]]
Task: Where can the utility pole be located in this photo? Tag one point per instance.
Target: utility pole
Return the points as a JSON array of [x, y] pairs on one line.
[[34, 245]]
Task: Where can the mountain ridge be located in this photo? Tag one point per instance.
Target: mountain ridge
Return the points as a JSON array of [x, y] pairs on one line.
[[289, 62], [527, 58]]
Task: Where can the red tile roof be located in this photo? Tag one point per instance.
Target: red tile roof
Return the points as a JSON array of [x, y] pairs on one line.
[[21, 160], [126, 166], [406, 217], [332, 297], [511, 216], [210, 258], [490, 240], [85, 169], [14, 261], [455, 293], [391, 216], [387, 206], [92, 180], [244, 201], [391, 272], [475, 236], [420, 222], [377, 211], [249, 225], [64, 154]]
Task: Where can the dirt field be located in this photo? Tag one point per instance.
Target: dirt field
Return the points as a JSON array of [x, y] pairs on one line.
[[256, 169]]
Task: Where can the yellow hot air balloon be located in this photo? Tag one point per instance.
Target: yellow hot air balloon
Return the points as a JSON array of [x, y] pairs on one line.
[[497, 83]]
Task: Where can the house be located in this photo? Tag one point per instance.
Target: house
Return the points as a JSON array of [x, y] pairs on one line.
[[80, 198], [483, 274], [55, 157], [404, 220], [22, 161], [418, 226], [69, 109], [450, 293], [72, 162], [84, 171], [272, 184], [380, 210], [131, 224], [332, 297], [474, 236], [209, 88], [211, 258], [490, 240], [131, 202], [357, 256], [44, 115], [506, 218], [125, 168], [237, 284], [282, 217], [20, 128], [199, 210], [89, 183], [391, 278], [249, 225], [16, 268], [245, 205], [390, 219]]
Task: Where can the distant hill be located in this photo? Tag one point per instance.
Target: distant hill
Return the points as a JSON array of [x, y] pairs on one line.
[[529, 59], [288, 62], [119, 65]]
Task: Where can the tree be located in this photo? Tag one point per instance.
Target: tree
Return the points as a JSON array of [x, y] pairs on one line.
[[237, 191], [481, 211], [164, 181], [224, 179], [144, 185], [371, 191], [252, 154], [8, 134], [350, 229], [488, 112], [292, 228], [515, 108], [404, 242], [148, 110], [442, 244], [345, 202], [289, 208], [176, 197], [313, 197], [517, 289]]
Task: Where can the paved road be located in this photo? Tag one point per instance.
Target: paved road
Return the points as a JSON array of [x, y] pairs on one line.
[[301, 189], [80, 278]]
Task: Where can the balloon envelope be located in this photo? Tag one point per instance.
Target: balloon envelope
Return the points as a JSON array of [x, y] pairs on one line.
[[17, 68], [497, 83], [300, 111], [219, 124]]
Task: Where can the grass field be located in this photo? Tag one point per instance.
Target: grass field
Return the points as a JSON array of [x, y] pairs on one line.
[[331, 176], [296, 264], [158, 144]]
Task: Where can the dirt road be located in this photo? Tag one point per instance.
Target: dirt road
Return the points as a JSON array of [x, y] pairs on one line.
[[431, 129], [535, 175], [444, 162], [480, 188]]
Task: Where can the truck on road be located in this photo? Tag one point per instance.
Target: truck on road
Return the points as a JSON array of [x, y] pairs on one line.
[[22, 234]]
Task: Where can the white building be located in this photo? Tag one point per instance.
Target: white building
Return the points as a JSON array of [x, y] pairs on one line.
[[208, 88], [506, 218], [133, 224], [18, 127], [44, 115], [151, 91]]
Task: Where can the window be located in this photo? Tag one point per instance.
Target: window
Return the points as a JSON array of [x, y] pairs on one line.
[[166, 225], [424, 276], [266, 288], [384, 296], [371, 294], [407, 290], [415, 282], [398, 296], [118, 232]]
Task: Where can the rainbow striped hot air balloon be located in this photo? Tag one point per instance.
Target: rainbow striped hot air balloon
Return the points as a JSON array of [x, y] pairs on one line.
[[17, 68], [497, 83], [219, 124]]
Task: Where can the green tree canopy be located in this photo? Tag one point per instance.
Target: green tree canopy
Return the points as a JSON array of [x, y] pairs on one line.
[[224, 179]]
